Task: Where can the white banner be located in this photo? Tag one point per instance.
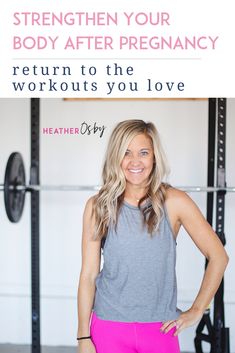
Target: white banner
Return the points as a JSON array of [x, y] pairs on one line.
[[103, 49]]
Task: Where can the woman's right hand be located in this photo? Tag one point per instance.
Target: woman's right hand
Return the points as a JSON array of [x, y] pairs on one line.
[[86, 346]]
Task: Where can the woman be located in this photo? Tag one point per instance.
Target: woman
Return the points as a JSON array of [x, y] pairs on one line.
[[135, 218]]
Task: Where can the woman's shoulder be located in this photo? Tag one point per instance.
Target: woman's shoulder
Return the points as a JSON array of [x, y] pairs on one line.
[[91, 199], [175, 196], [172, 192], [88, 214], [177, 199], [90, 204]]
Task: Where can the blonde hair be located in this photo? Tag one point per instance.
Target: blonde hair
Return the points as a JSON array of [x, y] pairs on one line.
[[110, 197]]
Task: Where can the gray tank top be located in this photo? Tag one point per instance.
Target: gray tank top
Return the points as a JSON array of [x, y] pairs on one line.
[[137, 282]]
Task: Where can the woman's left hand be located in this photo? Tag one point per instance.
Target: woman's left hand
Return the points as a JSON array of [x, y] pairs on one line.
[[186, 319]]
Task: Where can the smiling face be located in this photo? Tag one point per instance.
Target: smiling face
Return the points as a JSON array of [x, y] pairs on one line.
[[137, 163]]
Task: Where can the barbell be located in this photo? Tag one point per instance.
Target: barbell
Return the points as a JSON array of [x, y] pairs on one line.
[[14, 187]]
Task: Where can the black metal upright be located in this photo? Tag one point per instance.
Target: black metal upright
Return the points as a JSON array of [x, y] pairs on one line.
[[206, 320], [221, 341], [211, 157], [35, 243], [218, 334]]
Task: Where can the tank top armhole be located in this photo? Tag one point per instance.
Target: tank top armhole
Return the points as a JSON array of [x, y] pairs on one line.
[[169, 223]]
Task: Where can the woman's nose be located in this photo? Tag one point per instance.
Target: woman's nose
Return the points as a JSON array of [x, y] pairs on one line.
[[135, 159]]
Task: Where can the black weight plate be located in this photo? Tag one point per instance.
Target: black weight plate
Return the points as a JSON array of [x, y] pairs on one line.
[[13, 198]]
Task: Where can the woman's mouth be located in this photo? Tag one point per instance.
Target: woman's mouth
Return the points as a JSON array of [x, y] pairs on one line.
[[135, 171]]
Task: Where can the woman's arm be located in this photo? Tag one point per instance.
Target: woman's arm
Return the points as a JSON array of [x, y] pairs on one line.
[[207, 241], [89, 271]]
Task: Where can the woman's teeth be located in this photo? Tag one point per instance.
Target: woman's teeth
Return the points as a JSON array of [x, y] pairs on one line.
[[135, 170]]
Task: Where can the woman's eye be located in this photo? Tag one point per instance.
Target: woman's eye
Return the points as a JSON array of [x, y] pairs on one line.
[[144, 153], [127, 153]]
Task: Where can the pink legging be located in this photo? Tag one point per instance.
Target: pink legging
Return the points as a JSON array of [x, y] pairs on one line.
[[131, 337]]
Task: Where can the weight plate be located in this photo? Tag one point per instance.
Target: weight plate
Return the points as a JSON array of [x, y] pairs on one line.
[[14, 176]]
